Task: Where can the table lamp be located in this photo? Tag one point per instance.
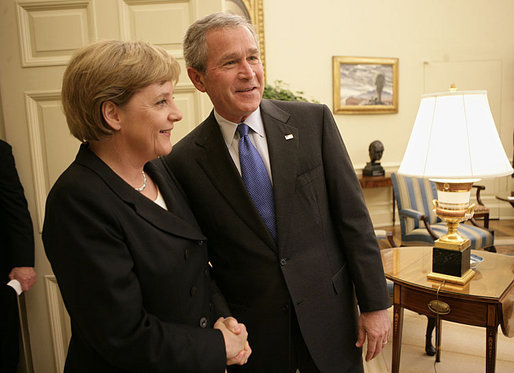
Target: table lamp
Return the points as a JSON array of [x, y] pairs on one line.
[[454, 143]]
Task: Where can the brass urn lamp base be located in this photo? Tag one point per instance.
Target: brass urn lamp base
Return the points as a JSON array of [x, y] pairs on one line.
[[451, 252]]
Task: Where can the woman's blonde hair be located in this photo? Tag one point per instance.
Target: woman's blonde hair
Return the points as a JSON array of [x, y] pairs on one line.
[[110, 71]]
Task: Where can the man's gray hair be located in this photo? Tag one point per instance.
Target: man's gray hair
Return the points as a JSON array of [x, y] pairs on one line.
[[195, 45]]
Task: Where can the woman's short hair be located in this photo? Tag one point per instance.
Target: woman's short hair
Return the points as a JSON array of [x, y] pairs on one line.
[[110, 71], [195, 45]]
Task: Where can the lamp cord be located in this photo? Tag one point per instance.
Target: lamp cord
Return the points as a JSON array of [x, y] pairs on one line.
[[436, 326]]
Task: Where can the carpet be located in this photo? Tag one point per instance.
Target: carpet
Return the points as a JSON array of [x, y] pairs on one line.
[[463, 349]]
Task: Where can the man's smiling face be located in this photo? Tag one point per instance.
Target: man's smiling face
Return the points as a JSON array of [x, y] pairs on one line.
[[234, 78]]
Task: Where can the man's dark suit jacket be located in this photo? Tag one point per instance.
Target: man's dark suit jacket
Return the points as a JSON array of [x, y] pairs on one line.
[[134, 277], [16, 250], [16, 234], [326, 252]]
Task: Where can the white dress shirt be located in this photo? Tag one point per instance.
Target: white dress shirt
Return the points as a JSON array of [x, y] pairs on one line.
[[160, 199], [257, 137]]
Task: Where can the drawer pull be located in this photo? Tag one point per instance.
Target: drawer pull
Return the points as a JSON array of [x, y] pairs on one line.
[[439, 307]]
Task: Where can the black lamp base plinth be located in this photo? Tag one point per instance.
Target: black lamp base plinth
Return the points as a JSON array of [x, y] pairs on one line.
[[451, 265], [450, 262]]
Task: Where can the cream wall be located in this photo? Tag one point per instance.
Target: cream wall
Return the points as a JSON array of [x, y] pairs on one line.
[[475, 38]]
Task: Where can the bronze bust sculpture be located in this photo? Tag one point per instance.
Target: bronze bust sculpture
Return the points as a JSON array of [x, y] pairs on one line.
[[373, 167]]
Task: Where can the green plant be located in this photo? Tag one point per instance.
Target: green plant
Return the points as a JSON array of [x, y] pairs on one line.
[[279, 91]]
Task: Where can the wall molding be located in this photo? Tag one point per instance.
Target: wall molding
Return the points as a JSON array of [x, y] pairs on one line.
[[39, 167], [59, 322], [29, 51]]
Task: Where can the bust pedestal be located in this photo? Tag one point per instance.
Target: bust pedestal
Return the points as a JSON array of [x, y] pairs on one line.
[[373, 169]]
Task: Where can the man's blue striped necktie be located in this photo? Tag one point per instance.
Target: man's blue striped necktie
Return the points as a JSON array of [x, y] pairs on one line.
[[256, 178]]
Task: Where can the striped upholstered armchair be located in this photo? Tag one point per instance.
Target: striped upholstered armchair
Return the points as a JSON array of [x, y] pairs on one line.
[[419, 224]]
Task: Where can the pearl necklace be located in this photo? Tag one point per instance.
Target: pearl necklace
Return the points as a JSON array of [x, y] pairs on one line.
[[142, 187]]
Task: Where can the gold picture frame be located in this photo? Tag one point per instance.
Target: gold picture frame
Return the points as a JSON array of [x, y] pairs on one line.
[[365, 85]]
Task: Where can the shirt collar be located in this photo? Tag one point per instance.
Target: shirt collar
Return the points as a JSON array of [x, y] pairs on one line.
[[228, 128]]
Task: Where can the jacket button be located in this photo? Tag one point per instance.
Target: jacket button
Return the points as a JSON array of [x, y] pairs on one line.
[[283, 262], [193, 290], [203, 322], [186, 254]]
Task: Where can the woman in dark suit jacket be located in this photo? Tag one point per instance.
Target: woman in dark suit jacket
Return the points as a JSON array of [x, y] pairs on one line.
[[128, 255]]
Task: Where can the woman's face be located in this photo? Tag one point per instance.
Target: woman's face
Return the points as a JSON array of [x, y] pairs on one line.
[[146, 121]]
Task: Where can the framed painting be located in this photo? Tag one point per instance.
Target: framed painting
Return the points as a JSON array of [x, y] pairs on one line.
[[365, 85]]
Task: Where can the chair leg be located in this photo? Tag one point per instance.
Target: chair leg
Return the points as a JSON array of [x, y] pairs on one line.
[[491, 249], [429, 347], [486, 221]]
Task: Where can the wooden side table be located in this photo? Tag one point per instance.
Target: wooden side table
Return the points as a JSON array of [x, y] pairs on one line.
[[478, 303], [509, 199], [378, 182]]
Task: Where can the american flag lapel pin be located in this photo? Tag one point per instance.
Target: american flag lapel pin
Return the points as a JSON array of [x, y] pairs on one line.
[[289, 136]]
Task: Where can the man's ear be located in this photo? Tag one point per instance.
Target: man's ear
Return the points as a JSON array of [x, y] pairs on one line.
[[111, 115], [196, 78]]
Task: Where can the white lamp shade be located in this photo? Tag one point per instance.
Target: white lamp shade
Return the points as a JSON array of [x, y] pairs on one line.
[[454, 137]]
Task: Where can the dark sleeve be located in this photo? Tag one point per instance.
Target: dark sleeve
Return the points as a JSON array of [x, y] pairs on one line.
[[13, 206], [217, 298], [98, 279], [352, 221]]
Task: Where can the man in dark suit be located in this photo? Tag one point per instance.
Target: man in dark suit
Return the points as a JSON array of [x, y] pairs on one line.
[[296, 275], [16, 256]]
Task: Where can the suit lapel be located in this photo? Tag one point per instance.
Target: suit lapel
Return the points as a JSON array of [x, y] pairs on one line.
[[179, 219], [282, 141], [217, 164], [182, 226]]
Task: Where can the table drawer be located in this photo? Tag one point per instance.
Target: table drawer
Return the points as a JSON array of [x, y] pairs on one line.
[[460, 310]]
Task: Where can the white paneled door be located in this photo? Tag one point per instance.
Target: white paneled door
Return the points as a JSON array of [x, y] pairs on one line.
[[37, 38]]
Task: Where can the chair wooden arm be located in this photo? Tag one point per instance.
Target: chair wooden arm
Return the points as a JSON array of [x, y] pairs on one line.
[[429, 228], [481, 211], [475, 223], [479, 188], [410, 213], [390, 238], [413, 214]]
